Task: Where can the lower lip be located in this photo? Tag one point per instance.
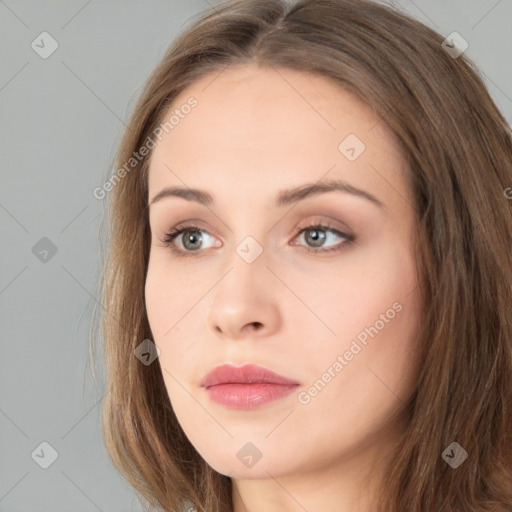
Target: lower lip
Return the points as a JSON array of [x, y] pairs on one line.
[[248, 396]]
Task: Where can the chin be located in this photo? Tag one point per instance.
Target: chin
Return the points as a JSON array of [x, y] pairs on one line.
[[235, 467]]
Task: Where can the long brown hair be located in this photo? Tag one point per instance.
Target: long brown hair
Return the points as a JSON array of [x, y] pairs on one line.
[[459, 152]]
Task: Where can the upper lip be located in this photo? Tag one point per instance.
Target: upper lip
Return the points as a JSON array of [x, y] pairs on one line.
[[248, 373]]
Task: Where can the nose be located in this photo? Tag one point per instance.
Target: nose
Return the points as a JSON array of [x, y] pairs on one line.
[[244, 302]]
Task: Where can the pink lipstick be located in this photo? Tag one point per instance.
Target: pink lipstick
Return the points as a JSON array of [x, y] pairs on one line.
[[247, 386]]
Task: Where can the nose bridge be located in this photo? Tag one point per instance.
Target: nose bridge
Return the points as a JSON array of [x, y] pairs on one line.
[[249, 250], [246, 269], [248, 255], [244, 295]]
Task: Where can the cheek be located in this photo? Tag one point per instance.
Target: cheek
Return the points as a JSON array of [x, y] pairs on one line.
[[358, 384], [374, 311], [169, 294], [158, 300], [366, 284], [175, 304]]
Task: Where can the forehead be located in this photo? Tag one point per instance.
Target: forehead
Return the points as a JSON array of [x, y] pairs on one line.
[[269, 126], [270, 101]]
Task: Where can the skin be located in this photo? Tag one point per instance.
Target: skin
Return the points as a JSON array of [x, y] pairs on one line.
[[254, 132]]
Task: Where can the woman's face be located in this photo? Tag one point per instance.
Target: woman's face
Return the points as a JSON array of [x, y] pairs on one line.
[[333, 308]]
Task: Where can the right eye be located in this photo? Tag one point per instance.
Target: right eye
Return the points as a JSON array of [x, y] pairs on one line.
[[190, 242]]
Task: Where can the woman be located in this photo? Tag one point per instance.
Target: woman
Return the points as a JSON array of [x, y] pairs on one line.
[[310, 229]]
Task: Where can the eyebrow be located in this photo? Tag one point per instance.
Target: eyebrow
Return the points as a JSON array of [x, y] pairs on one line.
[[284, 197]]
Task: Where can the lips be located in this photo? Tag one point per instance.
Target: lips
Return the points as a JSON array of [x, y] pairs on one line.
[[246, 374], [246, 387]]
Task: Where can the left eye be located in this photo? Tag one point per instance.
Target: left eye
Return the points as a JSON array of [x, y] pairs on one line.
[[315, 234], [193, 238]]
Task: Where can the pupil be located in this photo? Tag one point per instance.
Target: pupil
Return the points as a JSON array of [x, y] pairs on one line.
[[193, 236], [318, 237]]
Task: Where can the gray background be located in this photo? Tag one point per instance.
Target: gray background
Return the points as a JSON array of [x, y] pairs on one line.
[[61, 119]]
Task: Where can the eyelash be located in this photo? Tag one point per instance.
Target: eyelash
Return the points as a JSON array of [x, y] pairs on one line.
[[170, 236]]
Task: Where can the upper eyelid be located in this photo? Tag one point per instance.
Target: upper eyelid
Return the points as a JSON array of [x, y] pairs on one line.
[[326, 226], [319, 220]]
